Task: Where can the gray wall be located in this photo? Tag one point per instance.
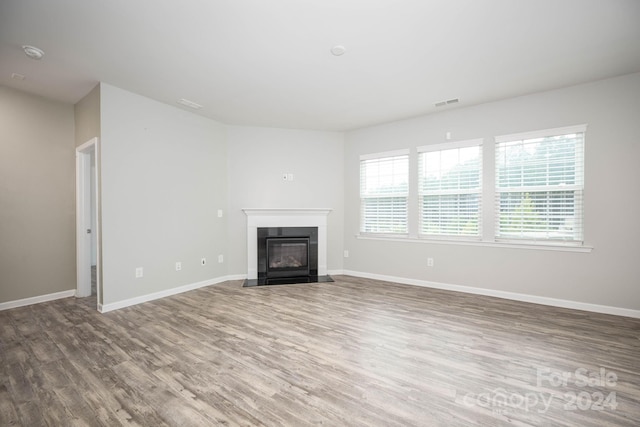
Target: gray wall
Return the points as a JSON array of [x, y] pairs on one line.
[[166, 172], [257, 159], [164, 177], [609, 275], [37, 196]]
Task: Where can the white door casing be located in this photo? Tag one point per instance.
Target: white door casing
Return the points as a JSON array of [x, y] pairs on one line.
[[84, 221]]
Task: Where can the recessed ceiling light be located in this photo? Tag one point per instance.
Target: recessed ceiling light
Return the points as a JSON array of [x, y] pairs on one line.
[[338, 50], [33, 52], [189, 104], [17, 76]]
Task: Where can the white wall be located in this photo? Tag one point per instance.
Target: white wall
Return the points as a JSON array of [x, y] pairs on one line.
[[258, 157], [609, 275], [164, 177]]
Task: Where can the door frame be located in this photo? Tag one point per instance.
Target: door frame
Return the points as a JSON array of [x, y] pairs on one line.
[[83, 219]]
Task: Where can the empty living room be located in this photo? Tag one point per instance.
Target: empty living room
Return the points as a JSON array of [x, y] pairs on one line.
[[303, 213]]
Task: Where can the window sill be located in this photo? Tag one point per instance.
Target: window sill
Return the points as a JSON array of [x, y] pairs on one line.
[[511, 245]]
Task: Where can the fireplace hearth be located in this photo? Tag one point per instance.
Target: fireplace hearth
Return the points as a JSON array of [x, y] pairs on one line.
[[287, 255]]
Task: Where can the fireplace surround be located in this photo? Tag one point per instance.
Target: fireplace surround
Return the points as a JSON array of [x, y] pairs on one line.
[[295, 239]]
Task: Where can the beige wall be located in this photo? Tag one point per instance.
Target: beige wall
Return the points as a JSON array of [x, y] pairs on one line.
[[87, 116], [37, 191]]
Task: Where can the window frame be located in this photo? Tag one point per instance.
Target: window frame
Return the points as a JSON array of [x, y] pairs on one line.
[[381, 156], [577, 188], [477, 142]]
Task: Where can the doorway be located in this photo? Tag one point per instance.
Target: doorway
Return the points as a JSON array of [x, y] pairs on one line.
[[88, 270]]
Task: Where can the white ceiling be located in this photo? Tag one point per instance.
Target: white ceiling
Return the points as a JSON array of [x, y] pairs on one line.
[[268, 62]]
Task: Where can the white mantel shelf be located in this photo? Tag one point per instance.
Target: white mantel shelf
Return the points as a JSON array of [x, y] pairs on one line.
[[286, 211], [285, 217]]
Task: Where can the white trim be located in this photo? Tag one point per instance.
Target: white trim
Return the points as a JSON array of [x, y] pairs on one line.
[[541, 133], [83, 257], [83, 218], [104, 308], [283, 217], [87, 145], [451, 145], [546, 246], [384, 155], [36, 300], [555, 302], [539, 188], [285, 211]]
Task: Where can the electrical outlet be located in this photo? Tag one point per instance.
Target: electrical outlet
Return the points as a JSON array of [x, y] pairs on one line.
[[346, 254], [178, 266], [220, 259], [203, 261], [139, 272], [429, 262]]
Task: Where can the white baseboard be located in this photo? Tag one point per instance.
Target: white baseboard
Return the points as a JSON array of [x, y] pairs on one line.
[[103, 308], [576, 305], [36, 300]]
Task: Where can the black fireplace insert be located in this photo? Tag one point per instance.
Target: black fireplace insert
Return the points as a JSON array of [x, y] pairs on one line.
[[287, 255]]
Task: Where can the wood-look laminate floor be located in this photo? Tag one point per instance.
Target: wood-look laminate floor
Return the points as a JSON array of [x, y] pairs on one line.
[[354, 352]]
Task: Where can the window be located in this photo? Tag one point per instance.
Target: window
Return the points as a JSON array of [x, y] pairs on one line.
[[450, 188], [527, 189], [539, 185], [384, 192]]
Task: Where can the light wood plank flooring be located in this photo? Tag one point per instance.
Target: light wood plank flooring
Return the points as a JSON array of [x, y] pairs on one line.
[[354, 352]]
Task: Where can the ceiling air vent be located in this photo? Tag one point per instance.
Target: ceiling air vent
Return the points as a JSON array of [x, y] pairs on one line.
[[189, 104], [447, 102]]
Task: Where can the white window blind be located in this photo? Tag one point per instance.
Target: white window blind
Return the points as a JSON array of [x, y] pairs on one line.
[[540, 184], [450, 188], [384, 191]]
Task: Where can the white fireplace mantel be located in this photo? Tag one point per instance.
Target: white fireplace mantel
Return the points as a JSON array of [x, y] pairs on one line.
[[283, 217]]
